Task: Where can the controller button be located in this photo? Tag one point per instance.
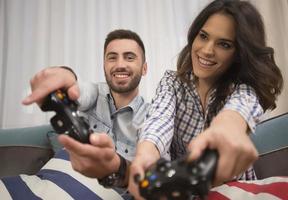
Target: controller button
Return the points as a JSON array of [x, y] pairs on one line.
[[162, 168], [60, 123], [60, 95], [148, 173], [194, 181], [153, 177], [158, 184], [171, 173], [144, 183], [74, 114], [194, 170]]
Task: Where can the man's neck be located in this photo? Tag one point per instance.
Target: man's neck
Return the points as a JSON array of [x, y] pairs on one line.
[[123, 99]]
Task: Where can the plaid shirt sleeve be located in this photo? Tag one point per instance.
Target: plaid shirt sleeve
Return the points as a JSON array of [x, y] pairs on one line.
[[159, 125], [244, 101]]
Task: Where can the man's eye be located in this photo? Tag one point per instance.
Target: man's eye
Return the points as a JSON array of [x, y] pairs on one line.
[[110, 58], [130, 57]]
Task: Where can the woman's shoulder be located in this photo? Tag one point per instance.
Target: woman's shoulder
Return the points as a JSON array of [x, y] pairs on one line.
[[171, 80], [171, 76], [243, 87]]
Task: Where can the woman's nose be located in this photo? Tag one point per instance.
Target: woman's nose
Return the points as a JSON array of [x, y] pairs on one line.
[[208, 49]]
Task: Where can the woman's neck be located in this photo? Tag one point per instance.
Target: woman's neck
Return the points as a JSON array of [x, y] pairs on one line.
[[203, 89]]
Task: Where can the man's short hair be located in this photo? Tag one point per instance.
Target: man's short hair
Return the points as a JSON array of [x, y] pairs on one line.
[[124, 34]]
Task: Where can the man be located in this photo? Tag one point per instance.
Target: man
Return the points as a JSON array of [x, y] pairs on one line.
[[115, 110]]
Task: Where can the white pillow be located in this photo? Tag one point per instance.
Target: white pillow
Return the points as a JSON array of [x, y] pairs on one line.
[[55, 180]]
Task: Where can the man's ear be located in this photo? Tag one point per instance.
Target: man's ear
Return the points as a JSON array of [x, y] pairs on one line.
[[144, 69]]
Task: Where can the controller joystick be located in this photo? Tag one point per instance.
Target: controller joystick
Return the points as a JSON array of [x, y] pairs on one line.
[[67, 119], [179, 179]]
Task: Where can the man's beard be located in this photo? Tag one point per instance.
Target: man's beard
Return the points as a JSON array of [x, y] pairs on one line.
[[133, 84]]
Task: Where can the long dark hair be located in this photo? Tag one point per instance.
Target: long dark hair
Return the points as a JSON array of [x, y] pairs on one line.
[[254, 62]]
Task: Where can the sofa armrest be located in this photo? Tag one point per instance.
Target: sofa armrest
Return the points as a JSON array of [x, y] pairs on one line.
[[25, 150], [23, 159], [271, 141]]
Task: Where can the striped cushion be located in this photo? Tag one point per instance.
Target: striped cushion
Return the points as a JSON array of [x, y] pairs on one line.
[[56, 180], [273, 188]]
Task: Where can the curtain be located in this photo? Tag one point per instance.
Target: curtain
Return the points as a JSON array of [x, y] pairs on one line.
[[38, 33]]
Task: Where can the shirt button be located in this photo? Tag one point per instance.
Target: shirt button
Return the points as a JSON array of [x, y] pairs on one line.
[[95, 126], [126, 150]]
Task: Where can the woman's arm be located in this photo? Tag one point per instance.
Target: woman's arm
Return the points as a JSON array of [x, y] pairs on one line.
[[228, 134]]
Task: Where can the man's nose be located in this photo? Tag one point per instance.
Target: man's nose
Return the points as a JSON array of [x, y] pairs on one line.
[[121, 62]]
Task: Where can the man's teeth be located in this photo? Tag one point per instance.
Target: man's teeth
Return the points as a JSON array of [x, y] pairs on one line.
[[121, 75], [205, 62]]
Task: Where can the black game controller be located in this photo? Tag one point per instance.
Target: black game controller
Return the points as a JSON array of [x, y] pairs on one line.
[[179, 179], [67, 119]]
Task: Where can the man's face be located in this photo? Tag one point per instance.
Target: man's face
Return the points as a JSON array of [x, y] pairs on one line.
[[123, 65]]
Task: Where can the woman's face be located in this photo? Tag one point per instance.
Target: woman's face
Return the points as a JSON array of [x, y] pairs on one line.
[[213, 49]]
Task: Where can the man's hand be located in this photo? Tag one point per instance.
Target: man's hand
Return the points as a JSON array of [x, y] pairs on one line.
[[49, 80], [227, 134], [95, 160], [147, 154]]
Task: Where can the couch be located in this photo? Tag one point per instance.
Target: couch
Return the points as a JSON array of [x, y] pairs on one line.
[[26, 150]]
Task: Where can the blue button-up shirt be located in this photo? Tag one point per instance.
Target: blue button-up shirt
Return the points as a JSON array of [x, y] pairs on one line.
[[97, 104]]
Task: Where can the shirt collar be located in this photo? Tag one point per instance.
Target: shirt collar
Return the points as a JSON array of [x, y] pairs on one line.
[[134, 105]]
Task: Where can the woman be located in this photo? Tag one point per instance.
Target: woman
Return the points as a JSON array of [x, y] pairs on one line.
[[226, 79]]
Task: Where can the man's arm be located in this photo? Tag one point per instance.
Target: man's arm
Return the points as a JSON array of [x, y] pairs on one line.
[[97, 159]]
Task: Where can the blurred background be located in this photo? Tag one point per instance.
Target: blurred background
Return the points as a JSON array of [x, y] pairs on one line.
[[35, 34]]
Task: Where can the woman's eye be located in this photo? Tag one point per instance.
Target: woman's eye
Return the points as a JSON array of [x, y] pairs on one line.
[[225, 45], [202, 36]]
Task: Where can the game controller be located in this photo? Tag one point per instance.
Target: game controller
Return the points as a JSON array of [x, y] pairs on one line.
[[67, 119], [179, 179]]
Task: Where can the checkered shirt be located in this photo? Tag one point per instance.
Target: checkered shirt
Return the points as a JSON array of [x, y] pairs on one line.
[[176, 116]]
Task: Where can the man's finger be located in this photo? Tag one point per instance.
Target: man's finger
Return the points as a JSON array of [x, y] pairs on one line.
[[74, 92], [37, 95], [101, 140], [73, 145]]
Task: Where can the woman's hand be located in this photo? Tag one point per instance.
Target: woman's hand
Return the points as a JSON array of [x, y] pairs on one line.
[[147, 154], [227, 134]]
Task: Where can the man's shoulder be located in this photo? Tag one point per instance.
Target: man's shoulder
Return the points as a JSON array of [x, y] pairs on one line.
[[102, 87]]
